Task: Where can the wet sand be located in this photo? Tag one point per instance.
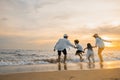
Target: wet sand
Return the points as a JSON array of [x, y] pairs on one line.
[[70, 71], [59, 67]]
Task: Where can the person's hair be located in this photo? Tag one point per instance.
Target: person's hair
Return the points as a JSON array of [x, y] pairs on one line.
[[96, 36], [65, 36], [89, 46], [76, 41]]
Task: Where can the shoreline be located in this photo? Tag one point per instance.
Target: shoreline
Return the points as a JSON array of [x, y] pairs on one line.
[[59, 67]]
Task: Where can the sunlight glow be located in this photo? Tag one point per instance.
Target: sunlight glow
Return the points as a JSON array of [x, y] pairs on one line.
[[111, 64], [115, 23], [108, 44]]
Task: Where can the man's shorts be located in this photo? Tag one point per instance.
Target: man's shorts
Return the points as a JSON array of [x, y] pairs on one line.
[[64, 52]]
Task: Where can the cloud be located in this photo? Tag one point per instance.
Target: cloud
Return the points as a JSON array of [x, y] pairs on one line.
[[109, 29], [23, 21]]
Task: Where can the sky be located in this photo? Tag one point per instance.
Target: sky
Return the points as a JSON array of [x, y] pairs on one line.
[[38, 24]]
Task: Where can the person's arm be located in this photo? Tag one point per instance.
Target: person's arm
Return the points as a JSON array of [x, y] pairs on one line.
[[56, 45], [107, 41], [85, 49], [70, 44], [94, 46]]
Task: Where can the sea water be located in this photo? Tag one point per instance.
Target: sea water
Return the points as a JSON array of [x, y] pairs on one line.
[[31, 57]]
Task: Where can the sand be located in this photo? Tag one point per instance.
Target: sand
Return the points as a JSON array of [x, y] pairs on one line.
[[102, 74], [108, 71]]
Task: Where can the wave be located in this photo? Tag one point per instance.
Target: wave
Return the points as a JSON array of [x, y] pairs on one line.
[[31, 57]]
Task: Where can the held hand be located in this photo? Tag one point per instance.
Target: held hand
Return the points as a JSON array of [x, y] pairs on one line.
[[110, 41], [94, 46], [54, 50], [74, 47]]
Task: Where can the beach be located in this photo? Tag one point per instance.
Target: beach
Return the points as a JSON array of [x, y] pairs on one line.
[[102, 74], [41, 65], [69, 71]]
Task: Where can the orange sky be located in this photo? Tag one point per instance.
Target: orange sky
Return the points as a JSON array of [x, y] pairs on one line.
[[38, 24]]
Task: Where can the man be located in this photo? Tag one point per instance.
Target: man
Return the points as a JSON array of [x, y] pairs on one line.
[[61, 46]]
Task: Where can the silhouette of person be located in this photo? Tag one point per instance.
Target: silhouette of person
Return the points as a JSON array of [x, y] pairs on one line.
[[61, 46], [100, 45]]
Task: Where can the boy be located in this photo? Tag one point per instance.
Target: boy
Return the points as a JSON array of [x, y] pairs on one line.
[[79, 49]]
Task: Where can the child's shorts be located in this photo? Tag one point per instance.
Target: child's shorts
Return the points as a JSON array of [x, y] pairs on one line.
[[78, 52]]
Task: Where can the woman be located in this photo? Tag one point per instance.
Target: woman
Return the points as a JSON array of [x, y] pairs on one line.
[[100, 45]]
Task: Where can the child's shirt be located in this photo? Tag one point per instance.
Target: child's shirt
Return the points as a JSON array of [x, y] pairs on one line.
[[79, 47]]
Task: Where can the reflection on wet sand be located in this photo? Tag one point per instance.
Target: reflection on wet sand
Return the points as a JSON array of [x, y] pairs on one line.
[[101, 65], [84, 66], [88, 66], [91, 65], [59, 66], [81, 65]]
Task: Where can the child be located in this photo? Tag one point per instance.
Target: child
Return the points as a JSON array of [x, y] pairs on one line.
[[79, 49], [90, 52]]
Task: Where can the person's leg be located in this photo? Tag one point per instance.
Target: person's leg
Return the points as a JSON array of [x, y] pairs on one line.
[[100, 54], [59, 66], [65, 66], [92, 56], [59, 56], [65, 55], [76, 53], [79, 54], [89, 59]]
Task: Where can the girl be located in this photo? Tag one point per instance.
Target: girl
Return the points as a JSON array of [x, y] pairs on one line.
[[90, 52]]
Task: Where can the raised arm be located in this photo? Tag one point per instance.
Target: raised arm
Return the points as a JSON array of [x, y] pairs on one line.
[[107, 41]]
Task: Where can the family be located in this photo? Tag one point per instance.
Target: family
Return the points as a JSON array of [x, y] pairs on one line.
[[63, 43]]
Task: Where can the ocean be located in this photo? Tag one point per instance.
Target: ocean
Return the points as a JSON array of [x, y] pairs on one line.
[[32, 57]]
